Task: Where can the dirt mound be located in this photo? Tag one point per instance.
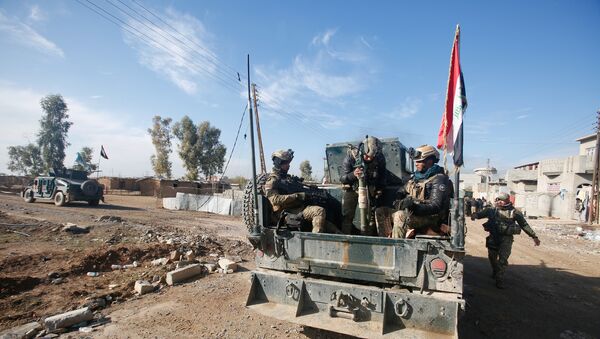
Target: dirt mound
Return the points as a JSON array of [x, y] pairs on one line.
[[11, 286], [101, 259]]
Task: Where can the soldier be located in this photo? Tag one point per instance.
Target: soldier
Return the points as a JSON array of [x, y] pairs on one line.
[[426, 206], [283, 196], [374, 172], [503, 222]]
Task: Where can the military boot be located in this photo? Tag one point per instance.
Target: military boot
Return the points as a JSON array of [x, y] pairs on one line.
[[500, 284]]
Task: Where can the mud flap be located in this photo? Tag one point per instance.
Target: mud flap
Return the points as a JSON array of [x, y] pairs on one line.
[[358, 310]]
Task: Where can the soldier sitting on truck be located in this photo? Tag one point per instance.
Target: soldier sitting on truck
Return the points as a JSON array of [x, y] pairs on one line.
[[285, 193], [425, 205], [373, 167]]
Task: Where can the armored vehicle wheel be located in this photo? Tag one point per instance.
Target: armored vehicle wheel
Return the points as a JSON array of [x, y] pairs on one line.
[[59, 199], [94, 202], [28, 196], [89, 187], [248, 205]]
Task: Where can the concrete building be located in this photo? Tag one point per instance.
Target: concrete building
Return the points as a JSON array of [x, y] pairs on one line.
[[549, 188]]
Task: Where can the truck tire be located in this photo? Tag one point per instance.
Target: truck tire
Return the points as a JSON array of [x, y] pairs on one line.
[[89, 187], [28, 196], [59, 199], [94, 202], [248, 202]]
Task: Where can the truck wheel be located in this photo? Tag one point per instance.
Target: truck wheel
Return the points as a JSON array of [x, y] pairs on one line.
[[89, 187], [59, 199], [248, 202], [28, 196], [94, 202]]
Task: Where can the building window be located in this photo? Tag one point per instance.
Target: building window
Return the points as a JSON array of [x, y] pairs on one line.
[[589, 152]]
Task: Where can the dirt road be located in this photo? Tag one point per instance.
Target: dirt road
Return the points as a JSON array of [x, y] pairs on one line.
[[553, 291]]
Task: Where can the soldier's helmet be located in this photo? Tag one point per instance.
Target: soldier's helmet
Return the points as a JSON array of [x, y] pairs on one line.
[[372, 146], [281, 156], [425, 151], [504, 197]]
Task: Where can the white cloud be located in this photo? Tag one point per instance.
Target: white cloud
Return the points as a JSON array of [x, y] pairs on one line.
[[184, 60], [36, 14], [23, 34], [313, 81], [96, 97], [523, 116], [408, 108], [128, 145]]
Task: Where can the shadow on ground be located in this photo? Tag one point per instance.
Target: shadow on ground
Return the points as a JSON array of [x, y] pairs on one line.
[[537, 302]]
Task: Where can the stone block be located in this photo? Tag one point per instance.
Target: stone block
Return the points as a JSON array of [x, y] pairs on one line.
[[143, 287], [175, 255], [24, 331], [67, 319], [184, 273], [227, 264]]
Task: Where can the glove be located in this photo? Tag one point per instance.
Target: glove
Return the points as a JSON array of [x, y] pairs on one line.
[[405, 203], [301, 196], [472, 217]]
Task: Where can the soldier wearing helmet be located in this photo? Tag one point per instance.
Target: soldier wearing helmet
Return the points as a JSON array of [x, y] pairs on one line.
[[284, 197], [425, 206], [374, 172], [504, 221]]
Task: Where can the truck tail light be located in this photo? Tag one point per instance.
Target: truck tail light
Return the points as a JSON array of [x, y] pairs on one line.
[[438, 267]]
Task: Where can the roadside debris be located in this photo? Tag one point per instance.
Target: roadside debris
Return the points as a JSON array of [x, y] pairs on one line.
[[110, 218], [143, 287], [68, 319], [184, 273], [74, 229]]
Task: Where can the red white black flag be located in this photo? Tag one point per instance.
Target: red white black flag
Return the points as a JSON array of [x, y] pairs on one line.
[[103, 152], [450, 137]]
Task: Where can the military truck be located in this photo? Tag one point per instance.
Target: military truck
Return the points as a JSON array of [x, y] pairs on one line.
[[363, 286], [63, 186]]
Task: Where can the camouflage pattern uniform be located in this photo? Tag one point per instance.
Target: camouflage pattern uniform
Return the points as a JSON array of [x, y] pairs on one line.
[[277, 191], [503, 223], [374, 172], [431, 208]]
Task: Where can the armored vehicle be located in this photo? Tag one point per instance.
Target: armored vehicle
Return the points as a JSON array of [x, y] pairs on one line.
[[63, 186], [364, 286]]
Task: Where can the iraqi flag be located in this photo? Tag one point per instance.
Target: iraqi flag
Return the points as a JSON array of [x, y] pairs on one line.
[[450, 137], [103, 152]]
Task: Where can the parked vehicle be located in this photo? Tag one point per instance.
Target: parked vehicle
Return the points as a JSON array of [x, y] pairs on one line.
[[64, 186]]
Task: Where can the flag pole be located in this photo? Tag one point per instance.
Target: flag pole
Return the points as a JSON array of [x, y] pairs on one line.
[[458, 238]]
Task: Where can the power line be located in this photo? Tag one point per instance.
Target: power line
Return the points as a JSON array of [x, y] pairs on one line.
[[156, 28], [235, 142], [139, 34]]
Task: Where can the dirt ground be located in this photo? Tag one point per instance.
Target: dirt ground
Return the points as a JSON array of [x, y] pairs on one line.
[[553, 291]]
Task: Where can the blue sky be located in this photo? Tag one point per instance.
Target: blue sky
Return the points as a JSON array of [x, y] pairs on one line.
[[327, 71]]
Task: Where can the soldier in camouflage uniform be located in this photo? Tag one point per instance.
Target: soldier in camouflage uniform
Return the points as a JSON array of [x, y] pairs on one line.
[[504, 221], [374, 172], [426, 205], [276, 191]]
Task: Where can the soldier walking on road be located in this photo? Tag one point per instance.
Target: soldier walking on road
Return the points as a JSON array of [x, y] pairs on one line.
[[504, 221]]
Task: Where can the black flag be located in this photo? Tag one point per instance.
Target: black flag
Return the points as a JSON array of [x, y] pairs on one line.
[[103, 152]]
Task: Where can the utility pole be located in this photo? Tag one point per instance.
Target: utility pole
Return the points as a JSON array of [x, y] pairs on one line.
[[593, 217], [263, 167]]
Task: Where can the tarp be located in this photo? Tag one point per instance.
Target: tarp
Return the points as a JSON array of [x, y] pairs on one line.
[[205, 203]]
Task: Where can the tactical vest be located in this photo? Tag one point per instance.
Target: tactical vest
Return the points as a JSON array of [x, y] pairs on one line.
[[417, 189], [505, 219], [371, 171]]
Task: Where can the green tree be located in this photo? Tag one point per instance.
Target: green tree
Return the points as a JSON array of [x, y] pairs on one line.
[[54, 127], [189, 147], [88, 165], [306, 170], [212, 151], [161, 139], [26, 160]]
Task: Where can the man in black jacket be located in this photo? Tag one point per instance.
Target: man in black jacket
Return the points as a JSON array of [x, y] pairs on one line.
[[426, 205], [374, 172]]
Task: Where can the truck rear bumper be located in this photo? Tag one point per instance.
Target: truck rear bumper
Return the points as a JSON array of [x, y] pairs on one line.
[[358, 310]]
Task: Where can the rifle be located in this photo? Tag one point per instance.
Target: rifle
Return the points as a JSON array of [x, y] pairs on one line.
[[314, 195], [492, 227]]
